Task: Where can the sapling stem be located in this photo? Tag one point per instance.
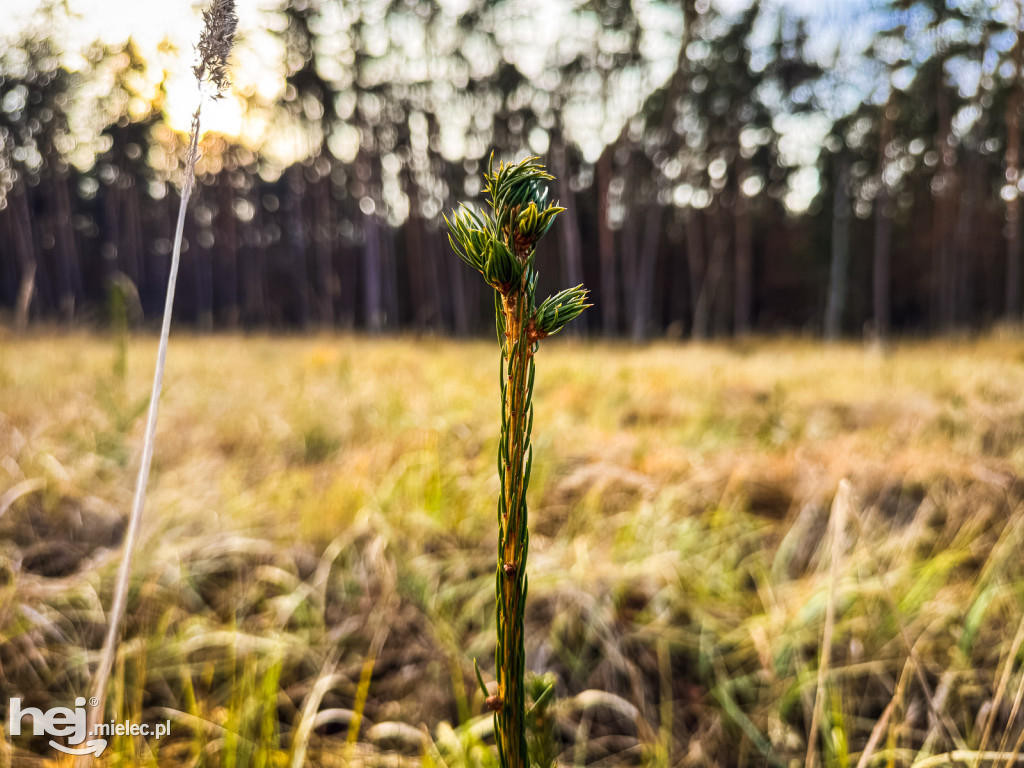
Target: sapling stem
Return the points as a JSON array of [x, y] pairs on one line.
[[501, 245]]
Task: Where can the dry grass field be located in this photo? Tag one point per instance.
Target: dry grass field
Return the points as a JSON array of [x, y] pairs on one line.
[[317, 565]]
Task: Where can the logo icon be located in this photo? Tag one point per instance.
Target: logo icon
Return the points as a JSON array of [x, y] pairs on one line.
[[57, 721]]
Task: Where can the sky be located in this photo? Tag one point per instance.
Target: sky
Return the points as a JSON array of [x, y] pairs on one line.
[[151, 22]]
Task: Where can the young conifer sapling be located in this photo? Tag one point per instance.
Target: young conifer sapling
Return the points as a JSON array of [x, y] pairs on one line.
[[501, 245]]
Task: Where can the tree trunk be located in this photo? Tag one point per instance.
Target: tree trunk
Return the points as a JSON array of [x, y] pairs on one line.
[[298, 240], [945, 196], [323, 235], [132, 240], [949, 290], [111, 249], [389, 272], [629, 237], [1013, 107], [644, 275], [457, 287], [204, 265], [743, 311], [26, 289], [705, 271], [24, 245], [66, 253], [837, 283], [973, 184], [372, 300], [568, 221], [696, 261], [227, 250], [882, 255], [606, 249], [431, 254], [347, 264], [420, 310], [198, 258], [255, 278], [721, 312], [973, 194]]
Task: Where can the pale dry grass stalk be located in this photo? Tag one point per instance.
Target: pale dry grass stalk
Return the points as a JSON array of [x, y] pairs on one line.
[[941, 719], [1004, 681], [307, 717], [840, 508], [1013, 718], [876, 733], [965, 756], [219, 25]]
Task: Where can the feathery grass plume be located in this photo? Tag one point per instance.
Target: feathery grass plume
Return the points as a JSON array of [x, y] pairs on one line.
[[219, 25], [502, 246]]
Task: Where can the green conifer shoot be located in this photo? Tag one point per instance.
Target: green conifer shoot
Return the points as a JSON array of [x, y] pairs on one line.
[[501, 245]]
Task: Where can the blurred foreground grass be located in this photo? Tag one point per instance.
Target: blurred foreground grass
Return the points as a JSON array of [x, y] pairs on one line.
[[324, 509]]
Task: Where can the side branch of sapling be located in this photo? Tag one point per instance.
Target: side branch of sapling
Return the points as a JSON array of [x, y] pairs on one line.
[[502, 247]]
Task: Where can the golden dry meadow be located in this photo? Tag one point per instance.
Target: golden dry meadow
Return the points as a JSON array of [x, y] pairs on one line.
[[316, 572]]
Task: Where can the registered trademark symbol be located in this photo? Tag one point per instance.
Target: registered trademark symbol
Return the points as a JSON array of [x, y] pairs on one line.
[[93, 701]]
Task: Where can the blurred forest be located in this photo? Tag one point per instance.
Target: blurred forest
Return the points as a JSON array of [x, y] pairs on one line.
[[726, 169]]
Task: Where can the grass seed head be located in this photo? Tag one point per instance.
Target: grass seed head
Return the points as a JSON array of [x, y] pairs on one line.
[[219, 25]]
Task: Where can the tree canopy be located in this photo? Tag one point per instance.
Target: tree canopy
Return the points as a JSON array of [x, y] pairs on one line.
[[726, 167]]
